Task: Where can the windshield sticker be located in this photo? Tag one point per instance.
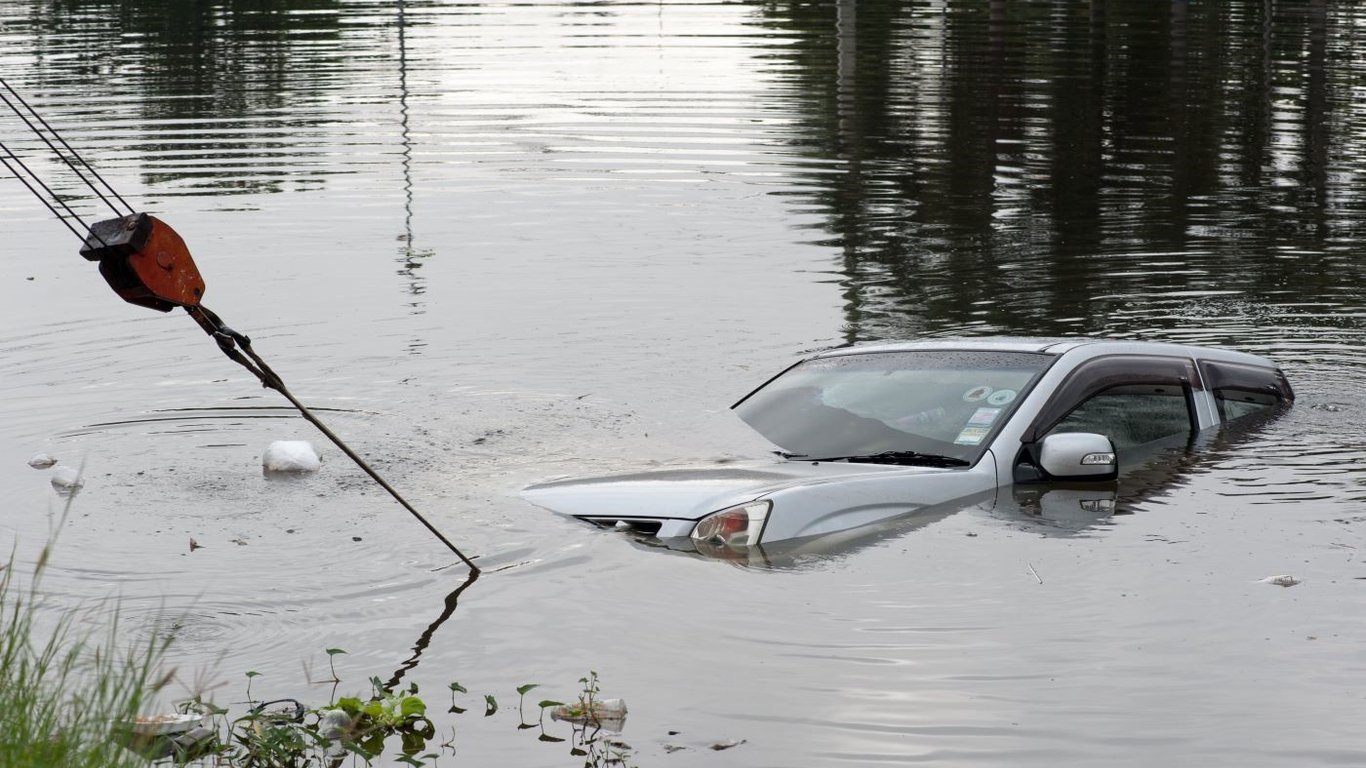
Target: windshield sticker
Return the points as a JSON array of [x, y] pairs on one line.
[[977, 394], [1001, 396], [971, 436], [984, 416]]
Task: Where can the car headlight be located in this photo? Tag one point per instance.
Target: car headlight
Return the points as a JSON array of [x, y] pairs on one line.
[[737, 526]]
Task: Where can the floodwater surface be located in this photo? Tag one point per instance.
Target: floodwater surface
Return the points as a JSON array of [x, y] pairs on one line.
[[496, 243]]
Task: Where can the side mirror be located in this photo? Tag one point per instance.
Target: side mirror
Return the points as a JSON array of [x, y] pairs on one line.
[[1077, 456]]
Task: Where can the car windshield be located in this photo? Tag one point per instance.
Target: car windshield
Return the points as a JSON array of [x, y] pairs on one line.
[[941, 403]]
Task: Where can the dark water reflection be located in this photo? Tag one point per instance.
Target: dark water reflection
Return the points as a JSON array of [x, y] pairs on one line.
[[1003, 161], [494, 243]]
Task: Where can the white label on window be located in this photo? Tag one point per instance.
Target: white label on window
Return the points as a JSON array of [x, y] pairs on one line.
[[984, 416], [971, 436]]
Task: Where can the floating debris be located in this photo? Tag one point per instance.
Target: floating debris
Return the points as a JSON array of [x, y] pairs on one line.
[[290, 456], [607, 713], [1284, 580], [66, 480], [333, 724], [195, 545], [158, 725], [42, 461], [159, 736], [720, 745]]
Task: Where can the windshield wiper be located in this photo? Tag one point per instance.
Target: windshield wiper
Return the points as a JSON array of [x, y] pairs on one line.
[[889, 457]]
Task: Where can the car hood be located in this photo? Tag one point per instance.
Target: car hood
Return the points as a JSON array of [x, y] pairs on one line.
[[693, 492]]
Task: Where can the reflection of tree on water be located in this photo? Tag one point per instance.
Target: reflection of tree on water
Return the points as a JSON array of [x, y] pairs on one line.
[[1021, 167], [226, 92]]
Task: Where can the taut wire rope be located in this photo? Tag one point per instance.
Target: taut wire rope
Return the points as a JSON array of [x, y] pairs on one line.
[[232, 343]]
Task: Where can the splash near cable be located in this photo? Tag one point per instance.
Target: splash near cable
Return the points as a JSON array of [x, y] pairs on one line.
[[147, 263]]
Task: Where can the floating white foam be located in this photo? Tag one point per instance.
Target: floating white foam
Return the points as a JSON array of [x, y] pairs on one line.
[[66, 480], [42, 461], [290, 456]]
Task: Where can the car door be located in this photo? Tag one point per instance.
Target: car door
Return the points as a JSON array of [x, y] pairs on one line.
[[1141, 402]]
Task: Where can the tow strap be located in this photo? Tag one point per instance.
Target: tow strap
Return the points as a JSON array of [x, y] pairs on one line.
[[147, 263]]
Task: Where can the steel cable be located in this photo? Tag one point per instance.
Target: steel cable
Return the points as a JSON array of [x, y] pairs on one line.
[[91, 185], [232, 343]]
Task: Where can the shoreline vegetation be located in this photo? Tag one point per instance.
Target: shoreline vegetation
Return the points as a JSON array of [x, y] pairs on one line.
[[76, 699], [61, 692]]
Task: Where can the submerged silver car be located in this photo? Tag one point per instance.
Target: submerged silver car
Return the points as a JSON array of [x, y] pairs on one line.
[[871, 434]]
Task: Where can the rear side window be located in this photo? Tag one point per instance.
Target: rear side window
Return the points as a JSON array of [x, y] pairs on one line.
[[1245, 390]]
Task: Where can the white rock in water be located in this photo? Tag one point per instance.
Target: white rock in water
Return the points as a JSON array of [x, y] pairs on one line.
[[66, 480], [290, 456], [1284, 580], [42, 461]]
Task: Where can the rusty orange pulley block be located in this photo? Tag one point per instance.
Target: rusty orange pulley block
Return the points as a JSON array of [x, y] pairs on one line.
[[145, 262]]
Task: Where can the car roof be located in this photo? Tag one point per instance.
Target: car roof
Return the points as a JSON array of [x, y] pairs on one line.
[[1091, 347]]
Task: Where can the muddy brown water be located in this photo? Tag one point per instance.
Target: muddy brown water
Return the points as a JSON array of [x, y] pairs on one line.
[[505, 242]]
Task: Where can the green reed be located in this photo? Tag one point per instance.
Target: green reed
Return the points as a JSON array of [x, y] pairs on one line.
[[67, 691]]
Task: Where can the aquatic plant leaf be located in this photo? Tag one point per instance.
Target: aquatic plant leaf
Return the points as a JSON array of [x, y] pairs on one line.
[[374, 743], [358, 750], [334, 651], [421, 726], [413, 743], [457, 687], [411, 705], [522, 689], [490, 704], [543, 703]]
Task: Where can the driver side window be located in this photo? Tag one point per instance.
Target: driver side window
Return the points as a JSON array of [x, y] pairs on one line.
[[1135, 400], [1132, 415]]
